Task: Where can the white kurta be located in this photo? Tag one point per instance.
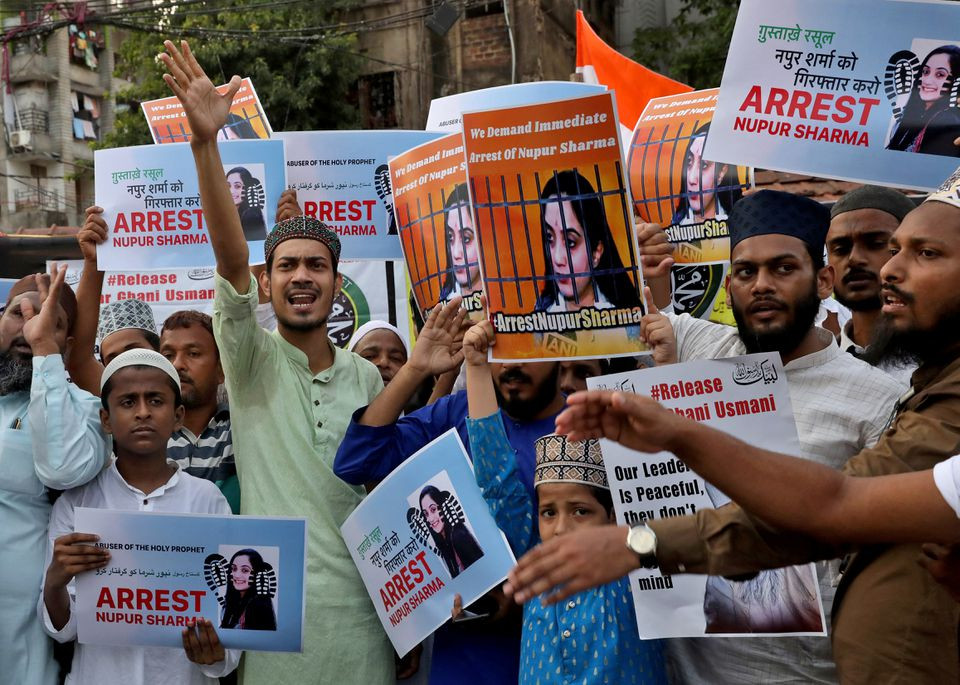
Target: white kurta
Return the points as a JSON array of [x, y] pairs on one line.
[[100, 664], [49, 438]]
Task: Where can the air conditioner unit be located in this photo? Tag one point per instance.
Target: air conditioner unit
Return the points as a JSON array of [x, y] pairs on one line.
[[21, 140]]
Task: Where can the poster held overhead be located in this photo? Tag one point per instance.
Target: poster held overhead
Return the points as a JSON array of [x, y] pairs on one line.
[[676, 186], [437, 234], [342, 179], [860, 91], [551, 204]]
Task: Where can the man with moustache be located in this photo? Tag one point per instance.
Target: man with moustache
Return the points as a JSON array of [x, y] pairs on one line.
[[892, 622], [291, 395], [50, 439], [861, 224], [379, 439], [203, 445], [841, 404]]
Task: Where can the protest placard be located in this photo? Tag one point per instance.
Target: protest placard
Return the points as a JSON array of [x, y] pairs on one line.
[[423, 535], [166, 569], [551, 205], [439, 243], [675, 186], [342, 179], [372, 291], [446, 113], [747, 397], [246, 120], [857, 90], [151, 202]]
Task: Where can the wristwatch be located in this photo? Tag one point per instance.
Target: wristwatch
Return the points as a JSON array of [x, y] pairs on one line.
[[642, 541]]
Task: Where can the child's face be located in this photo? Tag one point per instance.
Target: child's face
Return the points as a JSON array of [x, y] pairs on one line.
[[565, 507], [143, 411]]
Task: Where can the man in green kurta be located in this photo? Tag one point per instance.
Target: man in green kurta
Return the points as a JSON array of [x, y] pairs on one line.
[[292, 393]]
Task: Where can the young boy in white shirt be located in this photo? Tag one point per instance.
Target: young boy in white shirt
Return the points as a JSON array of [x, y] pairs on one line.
[[142, 406]]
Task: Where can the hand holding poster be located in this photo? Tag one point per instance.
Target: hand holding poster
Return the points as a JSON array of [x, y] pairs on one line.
[[423, 535], [166, 569], [552, 208], [436, 225], [246, 120], [675, 186], [745, 396], [342, 179], [856, 90], [151, 202]]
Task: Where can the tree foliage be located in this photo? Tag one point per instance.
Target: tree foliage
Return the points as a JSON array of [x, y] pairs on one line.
[[304, 79], [693, 47]]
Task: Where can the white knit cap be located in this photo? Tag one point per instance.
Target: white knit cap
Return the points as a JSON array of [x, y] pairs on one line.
[[139, 357], [376, 325], [948, 192]]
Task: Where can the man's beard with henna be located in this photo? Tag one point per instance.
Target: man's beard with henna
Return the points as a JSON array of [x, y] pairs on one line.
[[16, 373], [889, 346]]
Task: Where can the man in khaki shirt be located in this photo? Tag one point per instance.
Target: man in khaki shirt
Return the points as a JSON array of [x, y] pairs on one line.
[[892, 622]]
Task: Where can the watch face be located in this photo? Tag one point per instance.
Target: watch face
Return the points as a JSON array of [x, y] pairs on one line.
[[642, 540]]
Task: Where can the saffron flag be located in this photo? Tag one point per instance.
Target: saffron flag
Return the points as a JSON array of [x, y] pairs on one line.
[[634, 84]]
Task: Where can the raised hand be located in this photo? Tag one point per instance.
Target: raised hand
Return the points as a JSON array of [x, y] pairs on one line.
[[93, 233], [657, 331], [477, 341], [434, 352], [656, 252], [40, 328], [287, 205], [206, 109]]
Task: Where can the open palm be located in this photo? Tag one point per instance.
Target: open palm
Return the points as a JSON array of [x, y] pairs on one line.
[[206, 109]]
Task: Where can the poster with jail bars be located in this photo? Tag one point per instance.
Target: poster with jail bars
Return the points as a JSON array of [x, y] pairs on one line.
[[551, 204], [436, 226], [168, 122], [675, 186]]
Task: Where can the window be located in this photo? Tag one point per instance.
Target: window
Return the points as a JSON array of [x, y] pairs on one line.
[[86, 116]]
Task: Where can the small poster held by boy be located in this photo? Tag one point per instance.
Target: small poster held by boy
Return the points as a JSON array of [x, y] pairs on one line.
[[747, 397], [552, 209], [423, 535], [246, 120], [675, 186], [151, 202], [342, 179], [242, 573], [439, 242]]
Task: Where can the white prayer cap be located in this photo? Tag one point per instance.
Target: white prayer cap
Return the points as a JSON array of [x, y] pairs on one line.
[[124, 314], [139, 358], [948, 192], [376, 325]]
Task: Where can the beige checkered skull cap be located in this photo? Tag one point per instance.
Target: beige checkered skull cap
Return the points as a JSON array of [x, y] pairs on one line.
[[562, 461]]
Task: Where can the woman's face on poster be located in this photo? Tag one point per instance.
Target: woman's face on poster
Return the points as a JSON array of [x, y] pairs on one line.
[[240, 571], [933, 77], [567, 244], [431, 511], [701, 179], [227, 133], [235, 183], [462, 242]]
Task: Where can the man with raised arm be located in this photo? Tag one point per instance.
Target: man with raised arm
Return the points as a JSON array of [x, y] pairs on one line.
[[292, 393]]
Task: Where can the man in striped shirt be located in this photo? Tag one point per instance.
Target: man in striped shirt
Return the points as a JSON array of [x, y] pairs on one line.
[[204, 445]]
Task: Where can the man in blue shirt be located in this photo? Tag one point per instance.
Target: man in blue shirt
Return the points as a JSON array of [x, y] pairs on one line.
[[378, 439]]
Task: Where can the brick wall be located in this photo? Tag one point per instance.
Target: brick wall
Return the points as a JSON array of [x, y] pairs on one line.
[[485, 42]]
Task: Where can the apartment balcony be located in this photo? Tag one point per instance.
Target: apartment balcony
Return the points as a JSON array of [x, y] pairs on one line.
[[32, 66]]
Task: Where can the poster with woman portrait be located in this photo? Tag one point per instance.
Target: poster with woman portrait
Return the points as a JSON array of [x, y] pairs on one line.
[[243, 573], [554, 217], [676, 186], [437, 234], [423, 535], [858, 90]]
